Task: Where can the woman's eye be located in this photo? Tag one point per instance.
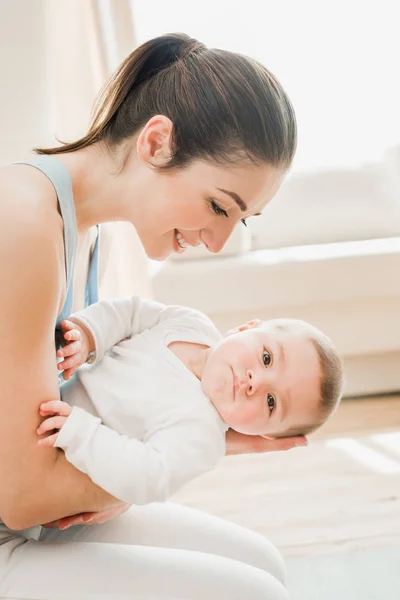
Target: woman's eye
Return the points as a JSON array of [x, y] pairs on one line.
[[217, 209], [244, 222], [271, 402], [266, 358]]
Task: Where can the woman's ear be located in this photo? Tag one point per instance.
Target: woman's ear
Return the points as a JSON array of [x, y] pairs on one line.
[[250, 325], [154, 142]]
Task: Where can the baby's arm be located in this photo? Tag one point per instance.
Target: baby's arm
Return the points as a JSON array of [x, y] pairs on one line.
[[93, 331], [111, 321], [131, 470]]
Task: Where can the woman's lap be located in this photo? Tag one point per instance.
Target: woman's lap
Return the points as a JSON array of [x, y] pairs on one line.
[[156, 552], [170, 525], [79, 570]]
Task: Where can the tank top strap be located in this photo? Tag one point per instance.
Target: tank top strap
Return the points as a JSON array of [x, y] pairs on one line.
[[92, 284], [57, 173]]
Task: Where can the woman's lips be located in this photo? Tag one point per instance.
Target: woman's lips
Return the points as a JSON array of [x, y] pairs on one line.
[[176, 246]]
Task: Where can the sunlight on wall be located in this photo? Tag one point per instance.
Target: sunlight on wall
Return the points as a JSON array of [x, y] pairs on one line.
[[337, 60]]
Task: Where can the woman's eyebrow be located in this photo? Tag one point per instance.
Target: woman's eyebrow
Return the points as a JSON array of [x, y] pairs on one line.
[[241, 204]]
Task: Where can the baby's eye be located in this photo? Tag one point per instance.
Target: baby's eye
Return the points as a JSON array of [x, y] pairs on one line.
[[271, 402], [267, 359], [217, 209]]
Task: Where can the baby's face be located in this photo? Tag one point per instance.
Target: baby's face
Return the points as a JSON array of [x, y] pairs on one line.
[[264, 381]]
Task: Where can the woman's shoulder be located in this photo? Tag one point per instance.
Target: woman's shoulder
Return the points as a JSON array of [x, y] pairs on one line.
[[31, 228], [28, 202]]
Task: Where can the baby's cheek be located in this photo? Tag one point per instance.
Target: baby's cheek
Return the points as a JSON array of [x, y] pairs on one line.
[[251, 414], [213, 384]]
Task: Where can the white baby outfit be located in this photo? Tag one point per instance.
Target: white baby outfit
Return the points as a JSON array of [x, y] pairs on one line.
[[141, 426]]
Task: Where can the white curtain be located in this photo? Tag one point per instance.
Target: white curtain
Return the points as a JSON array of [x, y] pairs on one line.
[[86, 39]]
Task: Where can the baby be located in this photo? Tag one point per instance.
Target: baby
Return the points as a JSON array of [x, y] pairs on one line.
[[151, 413]]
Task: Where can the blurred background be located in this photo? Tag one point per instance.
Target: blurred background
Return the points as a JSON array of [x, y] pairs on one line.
[[327, 249]]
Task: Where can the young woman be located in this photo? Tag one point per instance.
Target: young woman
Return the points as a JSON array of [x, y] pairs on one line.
[[185, 142]]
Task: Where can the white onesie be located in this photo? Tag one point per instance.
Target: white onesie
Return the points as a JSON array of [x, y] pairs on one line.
[[141, 426]]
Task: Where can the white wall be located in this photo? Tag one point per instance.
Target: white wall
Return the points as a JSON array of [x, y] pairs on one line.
[[350, 290], [25, 117]]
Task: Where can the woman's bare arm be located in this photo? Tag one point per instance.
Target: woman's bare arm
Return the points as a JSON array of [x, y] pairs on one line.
[[37, 484]]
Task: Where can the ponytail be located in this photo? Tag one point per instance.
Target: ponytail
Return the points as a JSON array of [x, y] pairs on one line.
[[223, 105]]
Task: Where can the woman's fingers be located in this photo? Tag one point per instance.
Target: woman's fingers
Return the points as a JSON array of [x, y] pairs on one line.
[[279, 444], [88, 518], [94, 518], [238, 443], [70, 521]]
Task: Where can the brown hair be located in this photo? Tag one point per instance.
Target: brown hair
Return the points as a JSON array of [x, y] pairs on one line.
[[224, 106], [331, 367]]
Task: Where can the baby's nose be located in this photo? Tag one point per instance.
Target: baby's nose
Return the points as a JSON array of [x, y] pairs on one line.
[[251, 383]]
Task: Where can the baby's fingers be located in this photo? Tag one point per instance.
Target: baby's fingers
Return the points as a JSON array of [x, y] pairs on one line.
[[49, 440], [67, 326], [55, 407], [72, 335], [50, 424], [71, 362], [68, 373], [70, 349]]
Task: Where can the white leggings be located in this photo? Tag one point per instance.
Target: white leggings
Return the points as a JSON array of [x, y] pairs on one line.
[[154, 552]]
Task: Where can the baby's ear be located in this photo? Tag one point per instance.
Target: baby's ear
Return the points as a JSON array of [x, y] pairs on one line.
[[244, 327]]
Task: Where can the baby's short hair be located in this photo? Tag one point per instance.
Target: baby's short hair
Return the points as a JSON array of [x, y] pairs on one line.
[[331, 365]]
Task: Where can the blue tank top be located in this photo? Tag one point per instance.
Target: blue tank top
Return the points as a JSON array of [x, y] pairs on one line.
[[60, 178]]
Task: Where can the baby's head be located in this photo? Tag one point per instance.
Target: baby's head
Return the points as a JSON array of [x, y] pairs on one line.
[[280, 378]]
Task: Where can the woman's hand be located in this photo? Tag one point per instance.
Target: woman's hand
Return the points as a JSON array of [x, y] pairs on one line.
[[56, 413], [89, 518], [238, 443], [76, 350]]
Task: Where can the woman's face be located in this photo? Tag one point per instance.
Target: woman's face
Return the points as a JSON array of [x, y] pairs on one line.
[[199, 204]]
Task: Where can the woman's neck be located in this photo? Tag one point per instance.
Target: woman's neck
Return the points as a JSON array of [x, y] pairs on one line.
[[98, 193]]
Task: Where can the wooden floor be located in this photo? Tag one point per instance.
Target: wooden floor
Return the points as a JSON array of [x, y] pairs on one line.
[[340, 493]]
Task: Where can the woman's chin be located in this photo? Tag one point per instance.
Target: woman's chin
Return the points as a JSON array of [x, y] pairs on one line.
[[158, 254]]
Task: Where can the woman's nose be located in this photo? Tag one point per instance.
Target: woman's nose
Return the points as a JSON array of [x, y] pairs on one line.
[[216, 238]]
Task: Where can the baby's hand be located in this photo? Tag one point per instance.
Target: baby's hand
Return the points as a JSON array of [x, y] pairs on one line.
[[57, 413], [76, 349]]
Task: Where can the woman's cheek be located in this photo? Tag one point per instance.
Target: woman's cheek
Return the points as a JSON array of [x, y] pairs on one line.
[[193, 215]]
